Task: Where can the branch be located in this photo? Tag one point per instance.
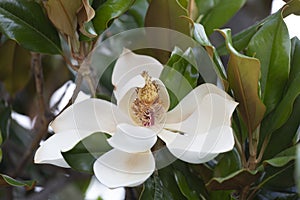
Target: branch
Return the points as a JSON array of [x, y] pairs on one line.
[[43, 116]]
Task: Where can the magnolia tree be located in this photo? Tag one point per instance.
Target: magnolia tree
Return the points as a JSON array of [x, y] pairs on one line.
[[132, 94]]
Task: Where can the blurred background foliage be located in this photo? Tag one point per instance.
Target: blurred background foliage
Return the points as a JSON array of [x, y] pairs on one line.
[[44, 42]]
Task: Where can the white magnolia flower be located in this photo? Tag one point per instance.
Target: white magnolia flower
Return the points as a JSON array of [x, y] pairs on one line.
[[195, 131]]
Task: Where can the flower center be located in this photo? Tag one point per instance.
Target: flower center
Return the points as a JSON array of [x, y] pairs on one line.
[[147, 107]]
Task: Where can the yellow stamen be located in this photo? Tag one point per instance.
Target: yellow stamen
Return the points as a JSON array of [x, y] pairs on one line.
[[147, 107]]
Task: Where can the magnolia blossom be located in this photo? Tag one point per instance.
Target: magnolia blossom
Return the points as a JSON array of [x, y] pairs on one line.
[[195, 131]]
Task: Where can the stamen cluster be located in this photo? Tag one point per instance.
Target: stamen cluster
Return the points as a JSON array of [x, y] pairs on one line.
[[147, 107]]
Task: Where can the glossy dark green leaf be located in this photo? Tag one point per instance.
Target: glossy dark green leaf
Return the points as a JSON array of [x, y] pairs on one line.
[[167, 178], [138, 11], [271, 45], [184, 187], [240, 40], [17, 183], [15, 63], [195, 183], [278, 177], [243, 75], [204, 6], [84, 154], [282, 138], [108, 11], [282, 158], [218, 12], [25, 22], [201, 37], [229, 163], [154, 189], [284, 109], [234, 181], [180, 75]]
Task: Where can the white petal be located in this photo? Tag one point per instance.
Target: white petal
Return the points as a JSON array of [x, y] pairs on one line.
[[189, 103], [130, 65], [120, 169], [50, 150], [163, 93], [132, 139], [128, 90], [81, 97], [199, 148], [94, 115], [213, 111]]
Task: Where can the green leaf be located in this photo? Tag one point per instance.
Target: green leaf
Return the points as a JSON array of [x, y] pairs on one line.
[[63, 14], [243, 74], [166, 14], [84, 154], [278, 177], [109, 10], [218, 12], [194, 182], [180, 75], [138, 11], [282, 138], [240, 40], [282, 158], [222, 195], [154, 189], [201, 37], [293, 7], [25, 22], [15, 63], [297, 173], [229, 163], [13, 182], [284, 109], [271, 45], [277, 194], [234, 181], [166, 175], [184, 187]]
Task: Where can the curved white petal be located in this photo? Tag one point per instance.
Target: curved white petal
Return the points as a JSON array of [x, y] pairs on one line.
[[50, 150], [136, 82], [190, 102], [132, 139], [130, 65], [163, 93], [213, 111], [81, 97], [90, 115], [199, 148], [120, 169]]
